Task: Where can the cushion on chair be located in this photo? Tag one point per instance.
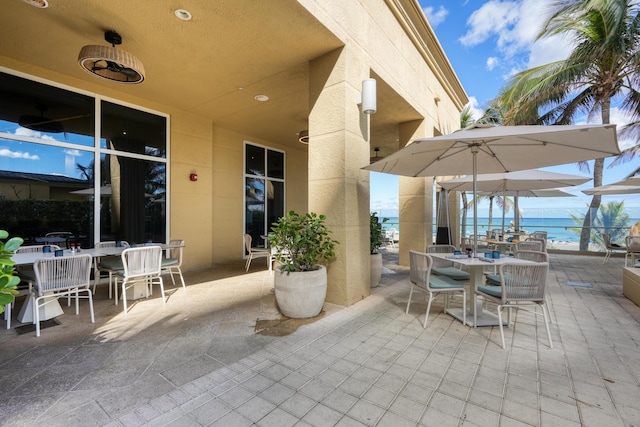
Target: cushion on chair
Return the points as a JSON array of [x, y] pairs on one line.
[[443, 282], [452, 272], [111, 264], [494, 291], [167, 262], [493, 279]]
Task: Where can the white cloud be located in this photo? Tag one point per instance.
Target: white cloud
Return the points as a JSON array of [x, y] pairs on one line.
[[32, 133], [514, 26], [476, 112], [621, 118], [75, 153], [492, 61], [435, 17], [5, 152]]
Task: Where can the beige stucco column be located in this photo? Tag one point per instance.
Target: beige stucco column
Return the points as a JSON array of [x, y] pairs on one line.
[[338, 188], [415, 199]]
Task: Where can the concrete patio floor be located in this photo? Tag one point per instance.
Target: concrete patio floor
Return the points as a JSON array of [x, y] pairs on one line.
[[220, 354]]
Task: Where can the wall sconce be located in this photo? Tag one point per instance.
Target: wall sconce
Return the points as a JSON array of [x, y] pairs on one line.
[[193, 177], [368, 96]]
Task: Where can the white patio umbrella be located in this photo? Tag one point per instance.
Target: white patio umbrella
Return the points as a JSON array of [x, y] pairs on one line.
[[630, 185], [516, 183], [490, 149], [554, 192]]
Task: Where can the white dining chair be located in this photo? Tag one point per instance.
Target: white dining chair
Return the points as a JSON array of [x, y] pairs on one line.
[[254, 252], [521, 285], [633, 249], [61, 276], [420, 277], [140, 265], [107, 264], [27, 276], [172, 263]]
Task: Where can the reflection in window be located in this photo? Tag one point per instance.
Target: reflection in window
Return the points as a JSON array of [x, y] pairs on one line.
[[133, 208], [48, 177], [42, 190]]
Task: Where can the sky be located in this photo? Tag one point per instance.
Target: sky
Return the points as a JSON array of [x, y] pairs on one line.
[[487, 42]]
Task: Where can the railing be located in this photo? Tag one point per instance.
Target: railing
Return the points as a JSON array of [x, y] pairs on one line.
[[560, 237]]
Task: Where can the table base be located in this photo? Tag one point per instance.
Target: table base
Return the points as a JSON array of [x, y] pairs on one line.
[[484, 318], [48, 311]]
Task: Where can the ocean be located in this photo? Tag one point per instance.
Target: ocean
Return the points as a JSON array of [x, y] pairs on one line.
[[558, 229]]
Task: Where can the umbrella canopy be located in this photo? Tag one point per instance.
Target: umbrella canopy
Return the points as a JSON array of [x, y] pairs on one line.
[[514, 182], [532, 179], [500, 149], [630, 185], [490, 149]]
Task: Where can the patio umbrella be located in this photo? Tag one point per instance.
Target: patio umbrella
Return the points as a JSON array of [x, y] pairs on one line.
[[529, 193], [630, 185], [514, 183], [490, 149]]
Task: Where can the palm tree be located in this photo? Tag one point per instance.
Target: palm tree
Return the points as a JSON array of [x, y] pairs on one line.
[[603, 67], [611, 219]]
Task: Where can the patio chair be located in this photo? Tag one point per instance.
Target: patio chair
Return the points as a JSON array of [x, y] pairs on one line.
[[172, 263], [254, 252], [529, 245], [521, 285], [442, 267], [420, 267], [140, 265], [390, 238], [535, 256], [542, 241], [26, 271], [633, 249], [61, 276], [107, 264], [610, 247]]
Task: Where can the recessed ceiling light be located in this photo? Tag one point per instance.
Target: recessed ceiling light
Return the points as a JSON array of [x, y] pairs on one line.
[[261, 98], [185, 15], [40, 4]]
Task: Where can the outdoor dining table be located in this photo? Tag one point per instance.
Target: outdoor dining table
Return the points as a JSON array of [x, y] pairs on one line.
[[476, 268], [501, 245], [53, 308]]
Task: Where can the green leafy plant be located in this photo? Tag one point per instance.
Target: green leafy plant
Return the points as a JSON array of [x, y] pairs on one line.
[[8, 279], [376, 234], [301, 241]]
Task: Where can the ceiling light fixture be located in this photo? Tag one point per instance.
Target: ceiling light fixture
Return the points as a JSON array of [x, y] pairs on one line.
[[111, 63], [303, 136], [40, 4], [261, 98], [182, 14]]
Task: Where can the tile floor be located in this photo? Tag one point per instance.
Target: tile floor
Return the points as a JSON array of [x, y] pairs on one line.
[[219, 354]]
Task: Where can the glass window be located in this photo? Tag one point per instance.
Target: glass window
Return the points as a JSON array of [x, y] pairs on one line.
[[254, 160], [133, 131], [132, 200], [264, 193], [48, 176], [45, 189], [37, 110]]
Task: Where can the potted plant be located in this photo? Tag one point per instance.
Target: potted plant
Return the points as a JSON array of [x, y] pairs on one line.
[[376, 240], [299, 243], [8, 279]]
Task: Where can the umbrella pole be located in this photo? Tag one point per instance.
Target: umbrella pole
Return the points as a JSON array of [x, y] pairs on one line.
[[516, 214], [474, 152]]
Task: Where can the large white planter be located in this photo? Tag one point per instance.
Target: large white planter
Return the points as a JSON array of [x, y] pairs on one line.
[[376, 269], [301, 294]]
